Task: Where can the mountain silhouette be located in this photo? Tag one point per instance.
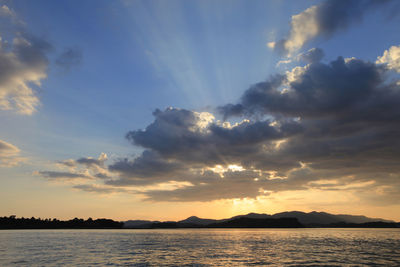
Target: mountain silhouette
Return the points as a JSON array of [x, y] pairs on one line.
[[198, 221], [262, 220], [246, 222]]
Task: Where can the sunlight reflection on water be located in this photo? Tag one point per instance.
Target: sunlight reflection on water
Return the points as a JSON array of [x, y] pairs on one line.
[[200, 247]]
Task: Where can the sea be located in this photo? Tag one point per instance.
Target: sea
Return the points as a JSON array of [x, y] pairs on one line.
[[201, 247]]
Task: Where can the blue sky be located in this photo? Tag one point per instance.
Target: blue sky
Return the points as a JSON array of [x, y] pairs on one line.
[[129, 58]]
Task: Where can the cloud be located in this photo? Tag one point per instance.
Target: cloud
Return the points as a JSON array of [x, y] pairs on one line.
[[70, 57], [324, 122], [93, 188], [349, 116], [5, 11], [23, 65], [316, 90], [322, 126], [88, 162], [85, 167], [9, 155], [233, 185], [312, 55], [148, 168], [61, 175], [323, 19], [391, 58], [183, 146], [176, 134]]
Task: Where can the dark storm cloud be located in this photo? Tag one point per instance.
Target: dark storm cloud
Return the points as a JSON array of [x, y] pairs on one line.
[[70, 57], [148, 168], [324, 19], [324, 126], [176, 142], [319, 90], [175, 134], [169, 130], [340, 120], [349, 115]]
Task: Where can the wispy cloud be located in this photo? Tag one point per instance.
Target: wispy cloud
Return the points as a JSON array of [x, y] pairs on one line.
[[61, 175], [9, 155]]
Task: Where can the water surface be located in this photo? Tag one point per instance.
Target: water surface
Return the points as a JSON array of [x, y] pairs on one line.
[[200, 247]]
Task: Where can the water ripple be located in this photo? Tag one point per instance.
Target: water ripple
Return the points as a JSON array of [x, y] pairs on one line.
[[201, 247]]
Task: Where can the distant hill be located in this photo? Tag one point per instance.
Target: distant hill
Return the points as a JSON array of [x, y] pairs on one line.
[[246, 222], [323, 218], [295, 219], [361, 219], [198, 221], [252, 216]]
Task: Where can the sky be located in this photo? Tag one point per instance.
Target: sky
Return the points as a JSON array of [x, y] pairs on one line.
[[166, 109]]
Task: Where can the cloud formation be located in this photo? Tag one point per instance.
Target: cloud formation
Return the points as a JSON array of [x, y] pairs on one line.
[[391, 58], [337, 122], [312, 55], [61, 175], [348, 113], [9, 155], [5, 11], [315, 90], [88, 162], [100, 189], [85, 167], [23, 65], [323, 126], [323, 19]]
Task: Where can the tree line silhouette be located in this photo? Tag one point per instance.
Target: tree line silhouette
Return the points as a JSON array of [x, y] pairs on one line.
[[12, 222]]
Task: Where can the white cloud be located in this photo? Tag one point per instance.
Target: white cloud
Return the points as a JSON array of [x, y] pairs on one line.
[[295, 73], [203, 121], [391, 58], [304, 26]]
